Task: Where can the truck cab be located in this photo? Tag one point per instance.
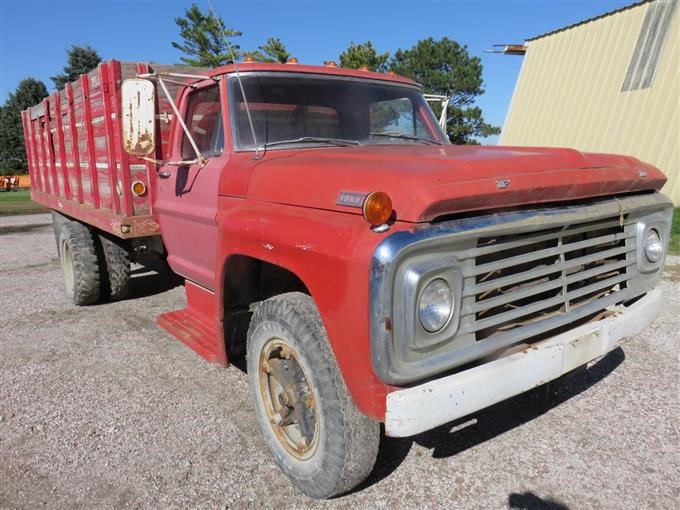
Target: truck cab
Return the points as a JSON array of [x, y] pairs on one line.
[[371, 271], [289, 111]]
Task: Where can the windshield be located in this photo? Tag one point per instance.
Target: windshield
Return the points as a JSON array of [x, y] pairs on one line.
[[293, 110]]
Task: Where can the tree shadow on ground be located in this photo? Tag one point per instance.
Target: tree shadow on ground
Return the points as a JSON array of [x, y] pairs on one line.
[[460, 435], [530, 501]]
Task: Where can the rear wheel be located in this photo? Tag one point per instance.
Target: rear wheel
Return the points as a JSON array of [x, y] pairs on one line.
[[116, 270], [79, 263], [317, 436], [57, 221]]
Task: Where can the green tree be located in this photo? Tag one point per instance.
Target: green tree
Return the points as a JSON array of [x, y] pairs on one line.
[[364, 54], [445, 67], [203, 43], [12, 152], [272, 51], [80, 60]]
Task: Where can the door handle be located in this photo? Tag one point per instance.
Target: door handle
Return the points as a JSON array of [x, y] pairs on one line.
[[164, 174]]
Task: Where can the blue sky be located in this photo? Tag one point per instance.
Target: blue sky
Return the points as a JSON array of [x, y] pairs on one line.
[[34, 34]]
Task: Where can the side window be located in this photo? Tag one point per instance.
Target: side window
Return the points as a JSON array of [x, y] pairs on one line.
[[395, 115], [204, 121]]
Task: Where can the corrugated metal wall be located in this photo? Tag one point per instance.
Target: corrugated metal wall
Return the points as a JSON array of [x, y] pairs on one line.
[[569, 93]]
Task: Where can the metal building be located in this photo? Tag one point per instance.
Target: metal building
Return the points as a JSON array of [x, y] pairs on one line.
[[607, 84]]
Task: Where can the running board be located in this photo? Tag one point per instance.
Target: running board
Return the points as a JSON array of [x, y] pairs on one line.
[[195, 325]]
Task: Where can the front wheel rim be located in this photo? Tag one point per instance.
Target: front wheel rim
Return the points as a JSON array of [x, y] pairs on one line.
[[289, 399]]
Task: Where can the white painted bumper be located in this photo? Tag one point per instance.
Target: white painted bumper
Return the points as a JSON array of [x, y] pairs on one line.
[[422, 407]]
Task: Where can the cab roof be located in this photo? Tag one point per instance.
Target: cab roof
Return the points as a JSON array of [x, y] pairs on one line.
[[300, 68]]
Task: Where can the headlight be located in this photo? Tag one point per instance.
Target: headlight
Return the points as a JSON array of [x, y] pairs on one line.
[[652, 245], [436, 305]]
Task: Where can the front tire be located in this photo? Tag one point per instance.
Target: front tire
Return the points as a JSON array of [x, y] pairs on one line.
[[317, 436]]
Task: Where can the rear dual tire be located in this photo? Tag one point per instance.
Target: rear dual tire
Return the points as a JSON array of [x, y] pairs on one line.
[[116, 267], [79, 262], [95, 265]]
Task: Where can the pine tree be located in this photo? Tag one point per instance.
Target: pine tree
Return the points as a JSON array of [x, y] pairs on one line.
[[80, 60], [445, 67], [29, 92], [272, 51], [203, 43], [364, 54]]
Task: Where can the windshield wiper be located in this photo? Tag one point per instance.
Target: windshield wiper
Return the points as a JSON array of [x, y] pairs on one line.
[[397, 134], [314, 139]]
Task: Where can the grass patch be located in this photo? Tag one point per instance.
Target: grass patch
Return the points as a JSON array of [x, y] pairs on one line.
[[19, 202], [674, 245]]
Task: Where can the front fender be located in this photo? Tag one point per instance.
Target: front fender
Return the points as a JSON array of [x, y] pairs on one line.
[[330, 252]]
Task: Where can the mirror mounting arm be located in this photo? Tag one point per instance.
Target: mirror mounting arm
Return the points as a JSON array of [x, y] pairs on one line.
[[199, 156], [138, 113], [202, 161], [444, 102]]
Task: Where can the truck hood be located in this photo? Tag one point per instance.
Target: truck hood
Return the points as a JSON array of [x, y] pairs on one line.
[[427, 181]]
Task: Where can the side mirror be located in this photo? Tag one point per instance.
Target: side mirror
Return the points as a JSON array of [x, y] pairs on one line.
[[139, 116]]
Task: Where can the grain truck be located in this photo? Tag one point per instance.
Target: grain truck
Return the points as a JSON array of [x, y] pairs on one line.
[[374, 274]]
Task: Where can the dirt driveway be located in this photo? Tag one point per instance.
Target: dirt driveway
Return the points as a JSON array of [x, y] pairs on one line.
[[101, 408]]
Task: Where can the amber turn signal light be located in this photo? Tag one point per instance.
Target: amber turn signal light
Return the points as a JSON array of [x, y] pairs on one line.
[[249, 58], [139, 188], [292, 60], [377, 208]]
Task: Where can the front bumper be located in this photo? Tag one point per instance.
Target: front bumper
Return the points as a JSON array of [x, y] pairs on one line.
[[423, 407]]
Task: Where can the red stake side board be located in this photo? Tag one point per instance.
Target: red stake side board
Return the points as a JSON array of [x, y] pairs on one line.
[[75, 152]]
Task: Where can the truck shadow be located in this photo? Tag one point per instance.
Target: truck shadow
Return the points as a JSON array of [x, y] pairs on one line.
[[457, 436], [152, 278]]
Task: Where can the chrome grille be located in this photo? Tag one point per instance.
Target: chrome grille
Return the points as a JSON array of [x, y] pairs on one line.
[[521, 285], [520, 276]]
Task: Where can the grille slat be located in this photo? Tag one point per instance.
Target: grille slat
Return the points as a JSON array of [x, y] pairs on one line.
[[511, 297], [522, 280], [530, 239], [547, 252], [555, 268], [512, 336], [544, 304]]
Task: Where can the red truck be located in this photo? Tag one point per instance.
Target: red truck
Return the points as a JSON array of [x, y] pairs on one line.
[[371, 271]]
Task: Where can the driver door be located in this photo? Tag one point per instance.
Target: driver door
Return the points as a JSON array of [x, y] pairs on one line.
[[186, 195]]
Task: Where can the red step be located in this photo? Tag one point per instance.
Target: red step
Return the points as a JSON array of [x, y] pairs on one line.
[[195, 325]]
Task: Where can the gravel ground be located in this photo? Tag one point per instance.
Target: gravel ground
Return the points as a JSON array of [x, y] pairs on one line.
[[101, 408]]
